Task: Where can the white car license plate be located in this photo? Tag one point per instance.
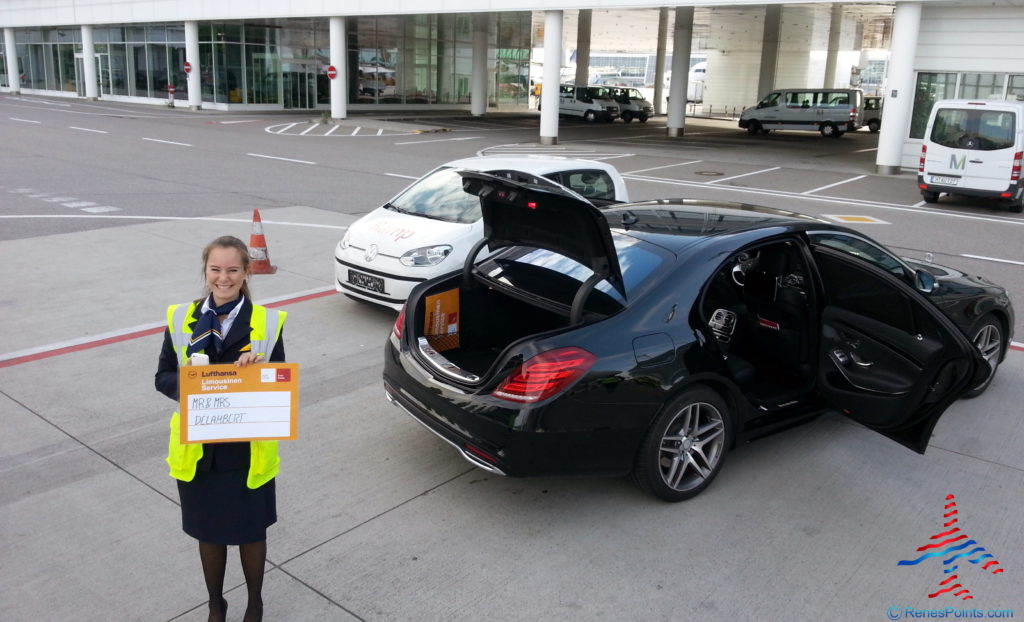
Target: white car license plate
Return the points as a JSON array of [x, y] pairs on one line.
[[366, 281], [945, 180]]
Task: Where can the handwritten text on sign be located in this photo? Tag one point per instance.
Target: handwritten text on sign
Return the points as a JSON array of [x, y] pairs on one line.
[[221, 403]]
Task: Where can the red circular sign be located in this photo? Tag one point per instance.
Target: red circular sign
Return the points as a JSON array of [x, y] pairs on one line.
[[171, 88], [187, 67], [332, 72]]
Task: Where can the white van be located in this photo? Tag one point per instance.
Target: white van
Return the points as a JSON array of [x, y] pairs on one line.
[[833, 112], [590, 102], [632, 104], [974, 149]]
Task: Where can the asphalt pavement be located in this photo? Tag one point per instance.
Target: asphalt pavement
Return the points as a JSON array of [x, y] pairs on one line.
[[380, 520]]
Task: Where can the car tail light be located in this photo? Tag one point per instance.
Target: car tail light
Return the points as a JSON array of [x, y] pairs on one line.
[[853, 114], [920, 165], [396, 330], [545, 375], [1015, 171]]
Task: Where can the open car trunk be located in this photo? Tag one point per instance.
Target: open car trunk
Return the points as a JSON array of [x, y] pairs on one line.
[[471, 326], [468, 319]]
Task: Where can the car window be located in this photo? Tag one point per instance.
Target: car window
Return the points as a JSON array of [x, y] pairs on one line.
[[980, 130], [771, 100], [800, 100], [592, 184], [862, 249], [556, 277], [440, 195], [855, 289]]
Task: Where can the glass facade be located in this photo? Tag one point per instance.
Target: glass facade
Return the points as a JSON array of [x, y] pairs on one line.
[[412, 59], [935, 86]]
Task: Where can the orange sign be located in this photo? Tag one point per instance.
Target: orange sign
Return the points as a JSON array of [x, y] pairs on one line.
[[224, 403], [441, 325]]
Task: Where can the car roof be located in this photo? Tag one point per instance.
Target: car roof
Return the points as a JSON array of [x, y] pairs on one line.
[[528, 163], [675, 223]]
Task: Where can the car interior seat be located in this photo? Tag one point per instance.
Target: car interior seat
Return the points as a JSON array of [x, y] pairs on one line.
[[780, 318]]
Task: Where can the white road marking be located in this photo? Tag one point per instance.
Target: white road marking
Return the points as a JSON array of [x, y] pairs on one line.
[[1016, 263], [644, 170], [23, 120], [440, 140], [307, 130], [380, 131], [355, 131], [838, 183], [767, 170], [331, 131], [269, 157], [865, 150], [242, 121], [166, 142], [52, 199], [79, 204], [101, 209], [85, 129]]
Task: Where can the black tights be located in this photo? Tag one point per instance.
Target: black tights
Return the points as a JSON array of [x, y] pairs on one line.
[[214, 558]]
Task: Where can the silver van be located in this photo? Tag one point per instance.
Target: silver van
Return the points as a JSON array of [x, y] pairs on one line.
[[590, 102], [833, 112], [974, 149]]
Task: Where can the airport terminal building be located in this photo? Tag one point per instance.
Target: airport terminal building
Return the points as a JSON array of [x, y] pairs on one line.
[[338, 56]]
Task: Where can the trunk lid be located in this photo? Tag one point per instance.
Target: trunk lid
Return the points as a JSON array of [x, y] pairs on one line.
[[545, 216]]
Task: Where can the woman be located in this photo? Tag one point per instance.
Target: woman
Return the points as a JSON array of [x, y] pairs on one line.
[[226, 489]]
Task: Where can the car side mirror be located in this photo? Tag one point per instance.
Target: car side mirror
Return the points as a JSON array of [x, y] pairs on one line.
[[924, 281]]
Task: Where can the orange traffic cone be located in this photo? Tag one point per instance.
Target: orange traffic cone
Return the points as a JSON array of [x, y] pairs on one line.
[[259, 258]]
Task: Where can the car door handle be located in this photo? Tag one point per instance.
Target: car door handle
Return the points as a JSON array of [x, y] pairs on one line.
[[976, 161], [859, 361]]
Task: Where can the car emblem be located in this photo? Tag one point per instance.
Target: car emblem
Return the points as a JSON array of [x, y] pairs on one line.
[[371, 252]]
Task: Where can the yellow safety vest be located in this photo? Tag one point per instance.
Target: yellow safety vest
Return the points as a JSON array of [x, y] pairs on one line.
[[264, 462]]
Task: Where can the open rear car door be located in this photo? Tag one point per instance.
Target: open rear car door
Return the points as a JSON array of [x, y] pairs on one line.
[[887, 357]]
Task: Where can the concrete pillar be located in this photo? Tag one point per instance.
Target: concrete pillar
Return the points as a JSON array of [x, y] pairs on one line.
[[89, 64], [583, 27], [681, 43], [478, 80], [899, 94], [552, 77], [659, 62], [339, 59], [194, 79], [769, 48], [835, 30], [11, 53]]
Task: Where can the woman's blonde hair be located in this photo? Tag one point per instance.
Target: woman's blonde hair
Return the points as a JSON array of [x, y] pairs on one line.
[[228, 241]]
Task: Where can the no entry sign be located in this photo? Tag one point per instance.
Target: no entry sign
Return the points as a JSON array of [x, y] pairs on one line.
[[332, 72], [187, 67]]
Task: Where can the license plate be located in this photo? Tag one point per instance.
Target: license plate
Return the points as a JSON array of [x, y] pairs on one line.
[[366, 281], [945, 180]]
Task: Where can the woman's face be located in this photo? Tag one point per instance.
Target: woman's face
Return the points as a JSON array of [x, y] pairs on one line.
[[225, 274]]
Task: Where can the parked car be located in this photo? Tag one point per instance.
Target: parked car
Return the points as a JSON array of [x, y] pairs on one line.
[[872, 114], [593, 103], [651, 337], [428, 228], [974, 149]]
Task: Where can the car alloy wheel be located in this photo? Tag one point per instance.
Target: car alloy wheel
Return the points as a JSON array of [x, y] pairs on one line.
[[754, 127], [589, 116], [685, 448], [828, 129], [988, 338]]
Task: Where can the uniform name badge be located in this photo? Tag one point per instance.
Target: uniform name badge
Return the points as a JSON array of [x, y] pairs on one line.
[[224, 403]]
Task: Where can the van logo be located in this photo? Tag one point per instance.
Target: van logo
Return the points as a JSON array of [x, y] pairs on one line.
[[957, 163]]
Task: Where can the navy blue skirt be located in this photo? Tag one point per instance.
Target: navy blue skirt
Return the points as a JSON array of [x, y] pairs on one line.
[[217, 506]]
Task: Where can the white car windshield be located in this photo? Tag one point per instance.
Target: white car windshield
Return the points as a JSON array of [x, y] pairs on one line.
[[439, 195]]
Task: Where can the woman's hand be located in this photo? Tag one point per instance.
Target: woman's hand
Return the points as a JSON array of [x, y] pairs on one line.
[[248, 358]]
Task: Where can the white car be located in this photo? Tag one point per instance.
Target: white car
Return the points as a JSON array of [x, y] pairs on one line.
[[428, 228]]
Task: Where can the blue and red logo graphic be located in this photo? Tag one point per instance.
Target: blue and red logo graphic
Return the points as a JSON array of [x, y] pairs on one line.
[[952, 544]]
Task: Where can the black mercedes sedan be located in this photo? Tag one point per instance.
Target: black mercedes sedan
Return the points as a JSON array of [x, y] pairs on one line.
[[649, 338]]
